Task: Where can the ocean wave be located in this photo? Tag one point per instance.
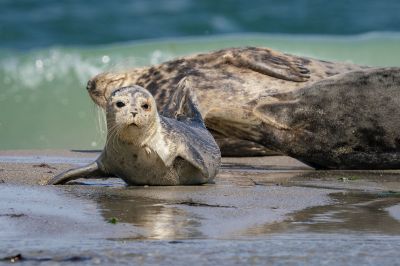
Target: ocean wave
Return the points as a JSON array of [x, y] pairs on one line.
[[74, 66], [33, 70], [43, 23], [44, 90]]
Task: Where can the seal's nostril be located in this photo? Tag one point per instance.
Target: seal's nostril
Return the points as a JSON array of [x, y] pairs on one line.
[[90, 85], [134, 114]]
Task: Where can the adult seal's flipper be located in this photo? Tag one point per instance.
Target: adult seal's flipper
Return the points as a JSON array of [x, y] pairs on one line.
[[268, 62], [234, 147], [88, 171], [183, 105]]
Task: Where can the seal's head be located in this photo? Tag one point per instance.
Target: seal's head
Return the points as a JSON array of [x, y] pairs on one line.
[[132, 112], [101, 86]]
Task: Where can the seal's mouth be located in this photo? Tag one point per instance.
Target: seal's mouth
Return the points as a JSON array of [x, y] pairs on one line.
[[133, 124]]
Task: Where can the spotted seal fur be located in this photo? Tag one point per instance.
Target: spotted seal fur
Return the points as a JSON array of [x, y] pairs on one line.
[[236, 77]]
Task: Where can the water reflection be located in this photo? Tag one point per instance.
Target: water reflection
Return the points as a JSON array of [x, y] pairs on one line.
[[333, 179], [247, 205], [352, 212], [151, 218]]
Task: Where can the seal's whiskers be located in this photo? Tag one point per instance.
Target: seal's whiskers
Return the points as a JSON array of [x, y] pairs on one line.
[[112, 134]]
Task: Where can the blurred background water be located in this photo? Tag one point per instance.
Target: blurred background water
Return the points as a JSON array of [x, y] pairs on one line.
[[49, 49]]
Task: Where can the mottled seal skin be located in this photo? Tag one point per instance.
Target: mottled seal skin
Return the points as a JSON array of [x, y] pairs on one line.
[[145, 148], [228, 84], [349, 121]]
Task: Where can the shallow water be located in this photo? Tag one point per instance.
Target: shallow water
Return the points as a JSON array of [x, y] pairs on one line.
[[349, 213], [354, 228]]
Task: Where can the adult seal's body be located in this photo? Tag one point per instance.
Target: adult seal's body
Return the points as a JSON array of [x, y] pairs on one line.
[[228, 84], [145, 148], [235, 86]]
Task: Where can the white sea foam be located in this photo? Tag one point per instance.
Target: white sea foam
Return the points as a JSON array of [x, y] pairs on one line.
[[35, 70]]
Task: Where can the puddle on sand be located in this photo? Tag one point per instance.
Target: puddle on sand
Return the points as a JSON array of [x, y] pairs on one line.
[[301, 239], [153, 219], [352, 213], [150, 218]]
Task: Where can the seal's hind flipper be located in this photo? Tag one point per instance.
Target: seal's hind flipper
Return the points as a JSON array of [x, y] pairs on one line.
[[208, 164], [268, 62], [88, 171], [183, 105]]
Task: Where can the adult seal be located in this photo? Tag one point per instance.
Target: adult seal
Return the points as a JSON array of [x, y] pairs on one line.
[[145, 148], [327, 114], [236, 77]]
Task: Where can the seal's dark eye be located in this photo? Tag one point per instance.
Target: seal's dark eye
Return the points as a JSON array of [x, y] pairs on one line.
[[120, 104], [145, 106]]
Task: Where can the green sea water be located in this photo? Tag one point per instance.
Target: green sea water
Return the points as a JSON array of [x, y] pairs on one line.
[[44, 104]]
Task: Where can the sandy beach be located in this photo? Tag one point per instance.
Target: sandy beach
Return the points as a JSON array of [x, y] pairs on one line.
[[255, 202]]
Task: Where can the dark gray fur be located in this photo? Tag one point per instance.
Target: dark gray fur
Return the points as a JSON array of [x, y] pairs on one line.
[[351, 121]]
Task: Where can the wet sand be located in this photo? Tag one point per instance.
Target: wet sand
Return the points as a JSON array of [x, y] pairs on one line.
[[260, 210]]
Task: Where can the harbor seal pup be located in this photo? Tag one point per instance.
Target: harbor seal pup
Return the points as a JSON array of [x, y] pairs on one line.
[[228, 84], [145, 148]]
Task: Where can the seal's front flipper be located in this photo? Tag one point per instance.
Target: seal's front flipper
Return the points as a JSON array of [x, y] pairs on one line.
[[234, 147], [268, 62], [183, 104], [88, 171]]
